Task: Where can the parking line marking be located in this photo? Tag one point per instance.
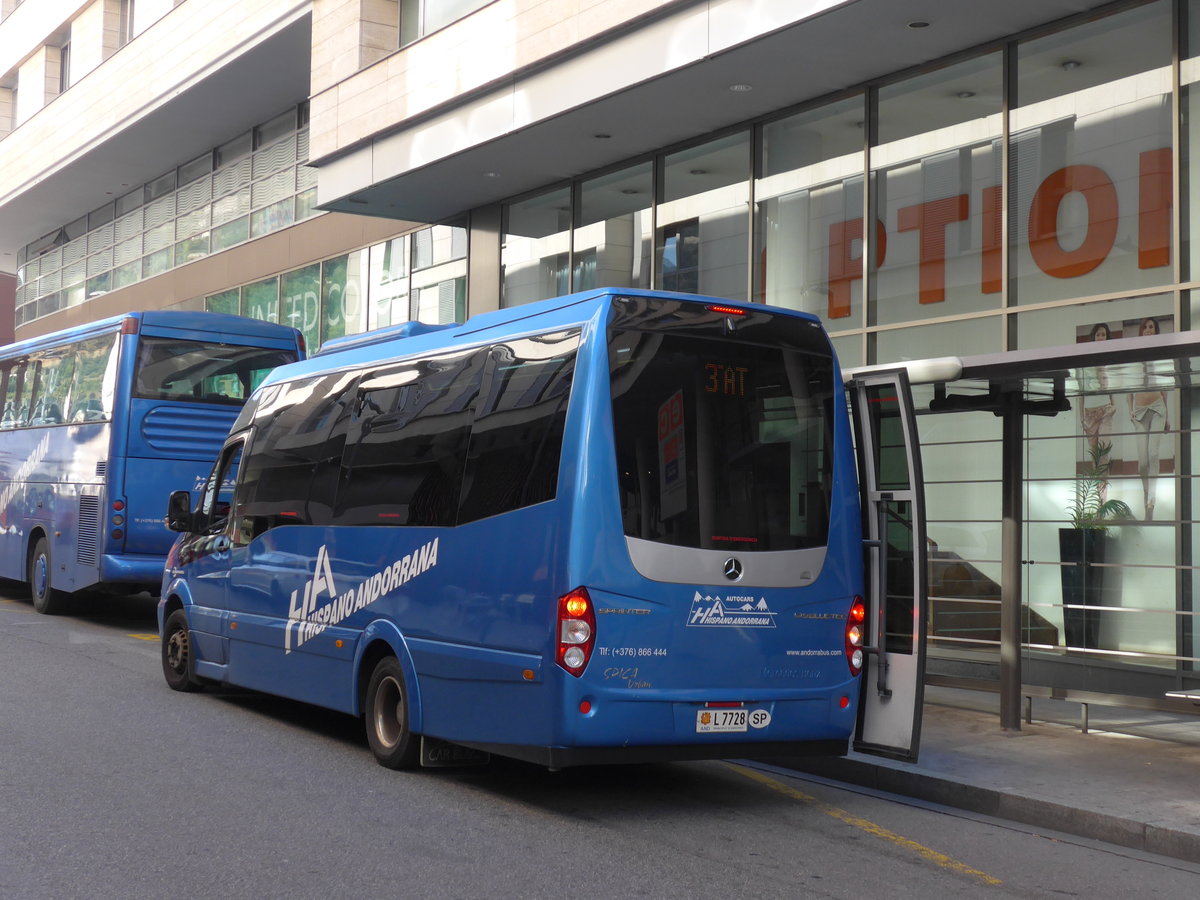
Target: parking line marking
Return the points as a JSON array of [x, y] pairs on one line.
[[934, 856], [144, 637]]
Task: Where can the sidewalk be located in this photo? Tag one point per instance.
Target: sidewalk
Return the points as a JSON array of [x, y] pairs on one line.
[[1133, 779]]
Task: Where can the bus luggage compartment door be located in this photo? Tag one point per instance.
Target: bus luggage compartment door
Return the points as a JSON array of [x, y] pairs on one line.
[[892, 492]]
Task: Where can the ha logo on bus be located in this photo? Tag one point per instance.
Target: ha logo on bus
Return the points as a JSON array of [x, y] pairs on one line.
[[730, 612]]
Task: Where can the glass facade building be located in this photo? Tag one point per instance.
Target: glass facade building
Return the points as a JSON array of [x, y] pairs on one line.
[[1029, 204], [1037, 193]]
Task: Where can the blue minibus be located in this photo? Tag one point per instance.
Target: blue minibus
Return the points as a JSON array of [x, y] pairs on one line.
[[100, 423], [617, 526]]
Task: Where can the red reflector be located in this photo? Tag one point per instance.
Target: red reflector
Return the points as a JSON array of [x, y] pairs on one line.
[[725, 310], [129, 326], [585, 707], [724, 704], [389, 515], [844, 702]]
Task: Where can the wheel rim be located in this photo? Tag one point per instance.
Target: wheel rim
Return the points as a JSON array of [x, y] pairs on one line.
[[177, 651], [41, 576], [389, 712]]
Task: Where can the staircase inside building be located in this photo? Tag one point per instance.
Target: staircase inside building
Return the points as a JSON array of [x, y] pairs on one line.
[[964, 603]]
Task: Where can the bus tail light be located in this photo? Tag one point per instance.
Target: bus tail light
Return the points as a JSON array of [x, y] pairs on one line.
[[118, 517], [129, 325], [576, 631], [855, 622]]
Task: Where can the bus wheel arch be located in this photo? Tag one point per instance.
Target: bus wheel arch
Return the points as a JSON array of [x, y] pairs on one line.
[[169, 605], [382, 639], [39, 572]]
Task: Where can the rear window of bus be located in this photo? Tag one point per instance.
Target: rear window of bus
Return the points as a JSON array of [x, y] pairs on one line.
[[201, 372]]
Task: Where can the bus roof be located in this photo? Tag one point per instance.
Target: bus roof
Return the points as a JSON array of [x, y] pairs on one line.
[[411, 338], [173, 319]]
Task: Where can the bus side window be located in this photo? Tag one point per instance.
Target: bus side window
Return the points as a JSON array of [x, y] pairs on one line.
[[285, 477], [87, 392], [57, 368], [8, 413], [217, 500], [407, 442], [26, 396], [516, 440]]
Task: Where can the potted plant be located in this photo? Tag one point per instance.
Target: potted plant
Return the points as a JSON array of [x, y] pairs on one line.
[[1084, 547]]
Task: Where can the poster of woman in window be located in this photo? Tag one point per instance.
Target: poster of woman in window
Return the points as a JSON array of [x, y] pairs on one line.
[[1124, 408]]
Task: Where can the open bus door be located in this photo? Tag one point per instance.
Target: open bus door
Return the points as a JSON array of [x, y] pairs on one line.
[[889, 463]]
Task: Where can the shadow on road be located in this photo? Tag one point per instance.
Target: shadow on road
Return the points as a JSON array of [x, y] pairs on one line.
[[120, 612], [584, 791], [123, 612]]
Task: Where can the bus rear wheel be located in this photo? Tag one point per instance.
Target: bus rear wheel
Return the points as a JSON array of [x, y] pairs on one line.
[[386, 715], [178, 661], [46, 599]]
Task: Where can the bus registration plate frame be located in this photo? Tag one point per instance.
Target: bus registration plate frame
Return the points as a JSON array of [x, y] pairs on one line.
[[712, 721]]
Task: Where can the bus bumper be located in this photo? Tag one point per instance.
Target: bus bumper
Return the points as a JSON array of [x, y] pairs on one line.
[[133, 569], [565, 757]]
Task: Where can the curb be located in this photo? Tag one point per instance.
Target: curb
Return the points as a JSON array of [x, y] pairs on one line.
[[892, 778]]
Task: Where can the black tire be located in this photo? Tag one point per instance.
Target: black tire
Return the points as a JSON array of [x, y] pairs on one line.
[[46, 598], [178, 660], [386, 717]]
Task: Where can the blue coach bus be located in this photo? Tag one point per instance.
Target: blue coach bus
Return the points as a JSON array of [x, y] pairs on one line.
[[100, 423], [617, 526]]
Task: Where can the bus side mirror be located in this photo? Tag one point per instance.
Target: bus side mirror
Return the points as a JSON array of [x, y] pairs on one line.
[[179, 511]]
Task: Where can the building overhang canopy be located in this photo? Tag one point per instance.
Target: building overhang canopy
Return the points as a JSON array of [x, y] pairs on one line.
[[494, 145], [204, 111]]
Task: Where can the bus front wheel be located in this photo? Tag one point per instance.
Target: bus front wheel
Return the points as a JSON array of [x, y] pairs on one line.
[[46, 599], [386, 715], [178, 661]]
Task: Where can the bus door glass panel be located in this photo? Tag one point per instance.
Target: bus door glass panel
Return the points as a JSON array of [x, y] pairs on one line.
[[516, 439], [893, 517], [407, 442], [207, 554], [721, 445]]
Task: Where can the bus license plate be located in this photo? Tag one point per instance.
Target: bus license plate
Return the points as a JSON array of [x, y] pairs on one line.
[[712, 720]]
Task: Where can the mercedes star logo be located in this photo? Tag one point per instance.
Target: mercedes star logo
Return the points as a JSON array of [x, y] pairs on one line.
[[733, 569]]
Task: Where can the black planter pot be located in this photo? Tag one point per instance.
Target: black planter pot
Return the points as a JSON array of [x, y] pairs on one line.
[[1083, 552]]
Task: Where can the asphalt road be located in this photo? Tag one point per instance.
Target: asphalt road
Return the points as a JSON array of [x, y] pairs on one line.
[[115, 786]]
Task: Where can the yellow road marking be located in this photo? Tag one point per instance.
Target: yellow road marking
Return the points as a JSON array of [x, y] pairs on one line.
[[939, 859], [144, 637]]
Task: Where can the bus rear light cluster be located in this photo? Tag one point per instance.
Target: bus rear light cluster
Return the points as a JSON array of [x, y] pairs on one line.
[[855, 620], [576, 631], [118, 519]]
